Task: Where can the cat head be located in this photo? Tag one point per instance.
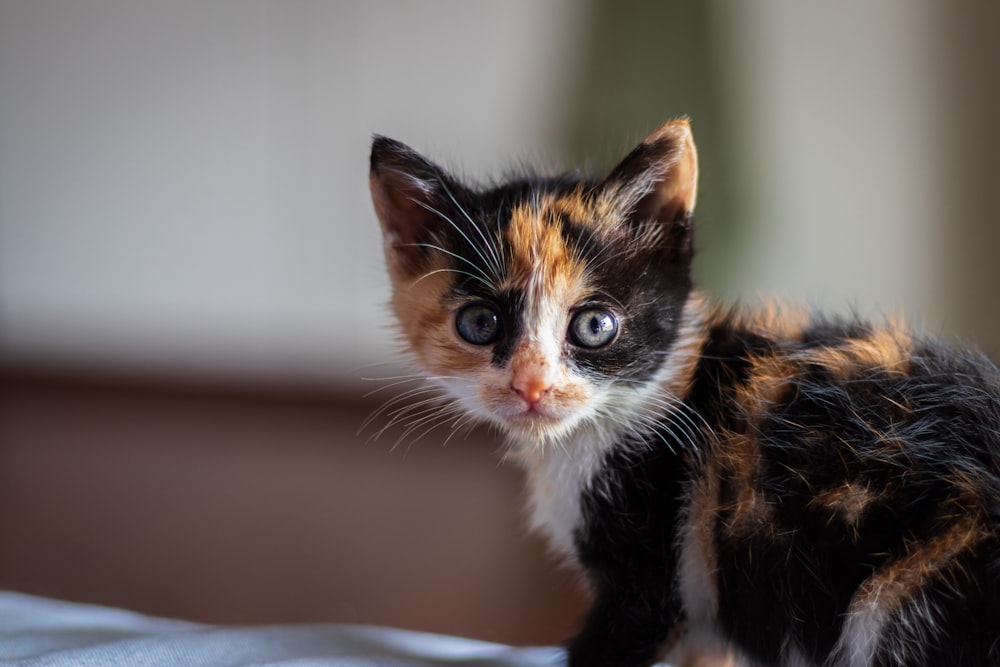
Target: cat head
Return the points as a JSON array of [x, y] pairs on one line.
[[543, 304]]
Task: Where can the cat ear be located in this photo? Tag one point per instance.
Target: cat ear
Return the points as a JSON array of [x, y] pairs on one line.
[[410, 194], [658, 181]]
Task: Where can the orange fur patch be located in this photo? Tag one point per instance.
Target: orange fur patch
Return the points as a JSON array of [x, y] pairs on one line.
[[885, 350], [686, 351], [538, 252], [769, 378], [576, 207], [703, 512], [781, 321], [749, 512], [681, 183], [899, 582], [848, 502], [429, 327]]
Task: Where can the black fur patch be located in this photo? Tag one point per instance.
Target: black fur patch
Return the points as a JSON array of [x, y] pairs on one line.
[[628, 545], [831, 458]]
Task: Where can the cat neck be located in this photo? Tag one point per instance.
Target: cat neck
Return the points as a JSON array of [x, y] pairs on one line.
[[560, 469]]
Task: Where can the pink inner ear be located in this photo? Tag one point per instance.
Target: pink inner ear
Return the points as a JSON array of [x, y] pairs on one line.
[[679, 189], [407, 190], [659, 178], [403, 210], [674, 195], [396, 204]]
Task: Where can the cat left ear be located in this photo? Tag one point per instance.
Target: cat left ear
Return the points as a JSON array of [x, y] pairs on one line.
[[409, 193], [658, 180]]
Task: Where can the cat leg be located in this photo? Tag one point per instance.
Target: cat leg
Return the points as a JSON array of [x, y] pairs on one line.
[[935, 632], [940, 605], [701, 647], [626, 628]]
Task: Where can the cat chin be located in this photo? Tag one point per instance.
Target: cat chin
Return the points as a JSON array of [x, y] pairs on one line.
[[536, 428], [533, 429]]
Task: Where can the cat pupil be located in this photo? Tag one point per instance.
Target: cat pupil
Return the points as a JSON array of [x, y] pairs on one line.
[[593, 328], [478, 324]]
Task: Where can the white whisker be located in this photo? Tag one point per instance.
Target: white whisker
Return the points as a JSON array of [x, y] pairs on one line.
[[497, 263], [479, 252], [458, 271], [432, 246], [404, 396], [435, 416], [402, 411]]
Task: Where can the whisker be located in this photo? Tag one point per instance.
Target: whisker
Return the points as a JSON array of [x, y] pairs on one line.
[[404, 411], [486, 261], [403, 396], [436, 418], [682, 409], [468, 261], [438, 414], [605, 258], [398, 381], [464, 422], [676, 416], [497, 263], [413, 376], [458, 271]]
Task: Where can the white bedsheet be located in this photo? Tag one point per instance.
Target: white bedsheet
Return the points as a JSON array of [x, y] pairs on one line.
[[43, 632]]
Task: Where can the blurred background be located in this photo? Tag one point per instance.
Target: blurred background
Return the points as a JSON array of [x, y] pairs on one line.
[[192, 293]]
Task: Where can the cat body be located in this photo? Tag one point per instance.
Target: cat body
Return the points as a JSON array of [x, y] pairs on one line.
[[806, 491]]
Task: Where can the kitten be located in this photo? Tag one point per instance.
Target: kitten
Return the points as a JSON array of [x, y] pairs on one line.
[[806, 491]]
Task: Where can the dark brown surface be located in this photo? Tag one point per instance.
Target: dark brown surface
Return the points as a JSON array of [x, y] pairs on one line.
[[251, 505]]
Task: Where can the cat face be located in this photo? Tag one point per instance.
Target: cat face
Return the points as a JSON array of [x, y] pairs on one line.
[[545, 303]]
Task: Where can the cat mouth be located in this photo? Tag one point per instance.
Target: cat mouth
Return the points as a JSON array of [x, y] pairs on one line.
[[533, 417], [533, 425]]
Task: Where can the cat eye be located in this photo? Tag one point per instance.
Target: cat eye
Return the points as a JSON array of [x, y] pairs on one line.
[[593, 327], [478, 324]]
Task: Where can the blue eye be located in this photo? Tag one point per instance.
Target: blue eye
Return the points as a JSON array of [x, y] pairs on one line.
[[478, 324], [593, 327]]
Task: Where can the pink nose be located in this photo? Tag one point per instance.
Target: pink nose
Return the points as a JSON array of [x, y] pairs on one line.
[[530, 389]]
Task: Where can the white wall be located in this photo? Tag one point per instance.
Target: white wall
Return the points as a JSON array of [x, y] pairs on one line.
[[834, 110], [184, 184]]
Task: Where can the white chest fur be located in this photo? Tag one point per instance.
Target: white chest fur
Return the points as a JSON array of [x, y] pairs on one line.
[[557, 477]]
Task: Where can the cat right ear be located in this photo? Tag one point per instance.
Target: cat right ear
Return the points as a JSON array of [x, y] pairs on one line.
[[409, 194], [658, 183]]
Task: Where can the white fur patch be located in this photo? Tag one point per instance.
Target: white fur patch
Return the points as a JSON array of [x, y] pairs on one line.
[[860, 635], [557, 478], [697, 589], [793, 657]]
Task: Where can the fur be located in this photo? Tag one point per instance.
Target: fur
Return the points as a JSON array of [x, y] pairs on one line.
[[805, 491]]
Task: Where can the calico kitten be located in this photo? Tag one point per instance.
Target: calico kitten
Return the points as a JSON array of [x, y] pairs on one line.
[[807, 491]]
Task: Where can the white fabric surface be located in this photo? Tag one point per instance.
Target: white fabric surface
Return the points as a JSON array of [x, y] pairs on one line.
[[42, 632]]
